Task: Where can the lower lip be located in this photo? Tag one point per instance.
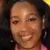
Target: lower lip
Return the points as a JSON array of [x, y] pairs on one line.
[[26, 38]]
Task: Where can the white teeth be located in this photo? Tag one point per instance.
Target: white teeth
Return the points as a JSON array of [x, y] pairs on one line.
[[26, 37]]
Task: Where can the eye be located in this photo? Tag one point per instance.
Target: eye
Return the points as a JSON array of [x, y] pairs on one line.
[[32, 19], [15, 22]]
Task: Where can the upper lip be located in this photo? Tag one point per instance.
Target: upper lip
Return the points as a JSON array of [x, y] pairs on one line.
[[25, 34]]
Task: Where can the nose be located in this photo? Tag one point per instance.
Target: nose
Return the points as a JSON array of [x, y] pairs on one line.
[[23, 26], [24, 29]]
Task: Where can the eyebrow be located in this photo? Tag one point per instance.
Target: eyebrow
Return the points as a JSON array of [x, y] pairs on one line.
[[33, 14], [14, 17], [28, 14]]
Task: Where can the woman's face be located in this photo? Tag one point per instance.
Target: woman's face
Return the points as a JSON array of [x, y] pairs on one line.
[[25, 24]]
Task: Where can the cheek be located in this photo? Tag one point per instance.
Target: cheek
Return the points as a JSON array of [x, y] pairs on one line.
[[14, 31], [36, 31], [13, 28], [37, 28]]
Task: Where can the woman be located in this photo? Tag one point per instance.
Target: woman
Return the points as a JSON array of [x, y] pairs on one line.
[[25, 18]]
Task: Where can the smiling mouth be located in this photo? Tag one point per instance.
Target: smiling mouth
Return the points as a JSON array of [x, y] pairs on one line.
[[26, 38]]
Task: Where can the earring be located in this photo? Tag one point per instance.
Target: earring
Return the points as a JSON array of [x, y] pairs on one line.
[[11, 41], [45, 34]]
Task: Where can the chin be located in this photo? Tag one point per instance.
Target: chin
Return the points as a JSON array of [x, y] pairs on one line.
[[27, 45]]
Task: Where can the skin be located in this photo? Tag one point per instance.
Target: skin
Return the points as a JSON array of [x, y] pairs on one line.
[[25, 21]]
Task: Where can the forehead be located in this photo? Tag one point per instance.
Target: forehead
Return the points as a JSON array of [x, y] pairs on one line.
[[23, 8], [23, 5]]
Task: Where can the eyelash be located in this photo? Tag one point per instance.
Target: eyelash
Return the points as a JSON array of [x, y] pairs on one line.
[[29, 20], [15, 22], [32, 19]]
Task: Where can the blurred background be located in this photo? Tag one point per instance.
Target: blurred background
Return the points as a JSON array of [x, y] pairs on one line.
[[5, 39]]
